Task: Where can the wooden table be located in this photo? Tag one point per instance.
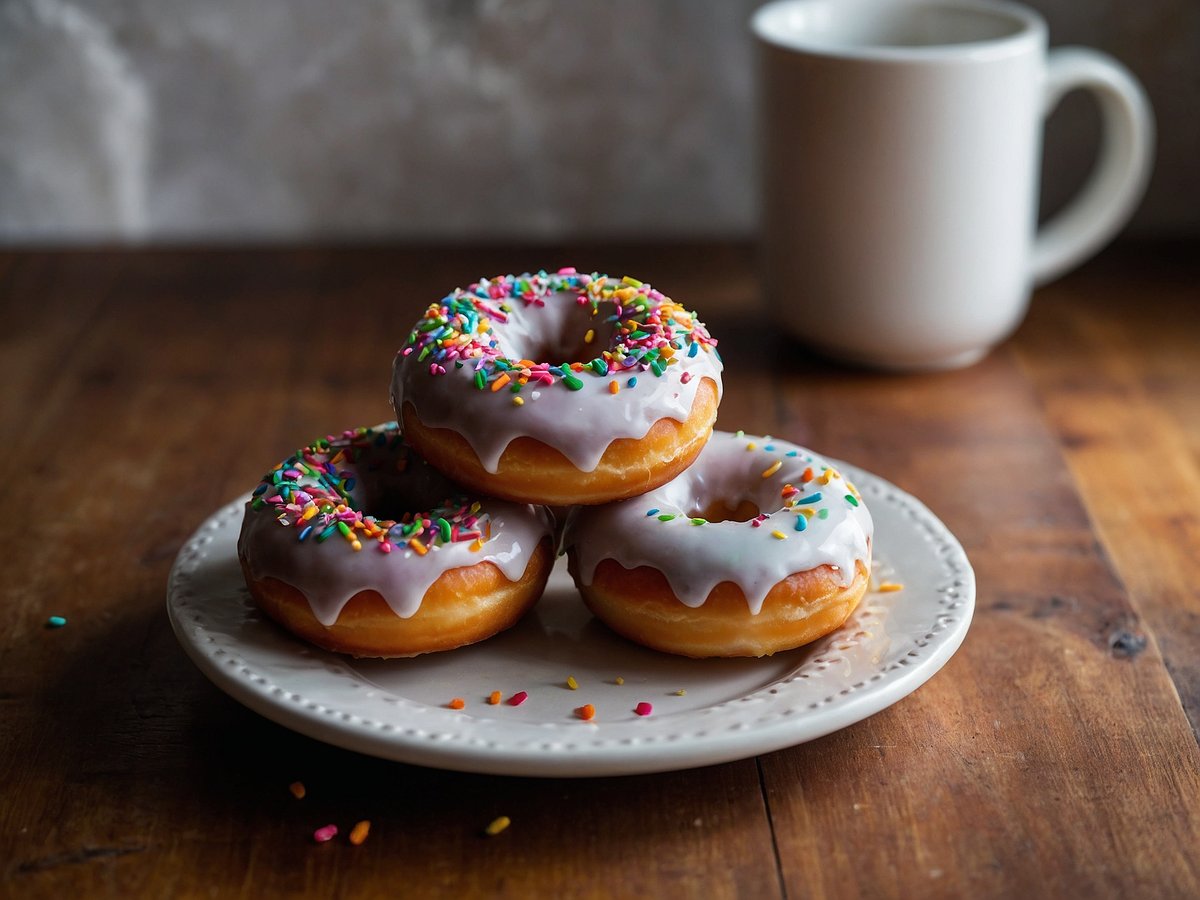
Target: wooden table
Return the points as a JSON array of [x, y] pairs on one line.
[[1055, 756]]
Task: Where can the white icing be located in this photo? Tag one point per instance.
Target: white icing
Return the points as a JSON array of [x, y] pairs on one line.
[[696, 558], [329, 574], [580, 424]]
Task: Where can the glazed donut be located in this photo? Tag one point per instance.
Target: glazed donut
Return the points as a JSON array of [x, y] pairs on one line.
[[482, 391], [761, 546], [355, 544]]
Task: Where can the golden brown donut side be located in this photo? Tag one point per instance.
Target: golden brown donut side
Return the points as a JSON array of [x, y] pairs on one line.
[[464, 605], [532, 472], [639, 604]]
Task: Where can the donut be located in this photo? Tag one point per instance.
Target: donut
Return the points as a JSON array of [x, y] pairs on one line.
[[558, 389], [761, 546], [357, 545]]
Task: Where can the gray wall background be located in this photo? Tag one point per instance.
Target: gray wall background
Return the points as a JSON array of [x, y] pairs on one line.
[[446, 119]]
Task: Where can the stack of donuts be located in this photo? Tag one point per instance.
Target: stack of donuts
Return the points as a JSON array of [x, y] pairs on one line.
[[545, 413]]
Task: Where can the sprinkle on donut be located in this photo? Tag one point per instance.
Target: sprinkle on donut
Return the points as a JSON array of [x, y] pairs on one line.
[[308, 492], [751, 511], [760, 546], [358, 545], [496, 374], [649, 331], [803, 503]]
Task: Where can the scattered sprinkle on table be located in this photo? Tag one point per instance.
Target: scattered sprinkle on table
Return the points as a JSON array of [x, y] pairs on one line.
[[297, 789], [572, 683], [643, 709], [494, 697], [328, 833], [620, 680], [457, 703], [56, 621], [587, 712], [518, 698], [497, 825], [887, 587], [359, 832], [681, 692]]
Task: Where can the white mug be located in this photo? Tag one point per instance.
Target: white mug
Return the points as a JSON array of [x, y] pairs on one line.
[[902, 142]]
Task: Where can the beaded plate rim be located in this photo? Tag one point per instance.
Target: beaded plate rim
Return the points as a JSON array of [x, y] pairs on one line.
[[836, 683]]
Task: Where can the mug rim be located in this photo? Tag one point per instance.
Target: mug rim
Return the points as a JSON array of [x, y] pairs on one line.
[[1032, 28]]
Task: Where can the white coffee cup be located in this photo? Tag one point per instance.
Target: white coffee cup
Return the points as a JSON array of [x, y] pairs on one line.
[[902, 142]]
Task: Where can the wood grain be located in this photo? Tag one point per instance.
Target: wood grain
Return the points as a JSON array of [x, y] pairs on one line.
[[1122, 393], [1030, 780], [1052, 757]]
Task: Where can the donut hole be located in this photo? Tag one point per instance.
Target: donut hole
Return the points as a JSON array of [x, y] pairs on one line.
[[390, 494], [565, 332], [398, 503], [721, 511]]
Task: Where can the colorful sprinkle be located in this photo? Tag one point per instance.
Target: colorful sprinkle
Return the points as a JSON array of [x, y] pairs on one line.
[[494, 697], [772, 469], [643, 709], [648, 328], [619, 680], [572, 683], [457, 703], [852, 500], [309, 492], [517, 401], [652, 512], [587, 712], [779, 535], [888, 587], [297, 789], [518, 698], [359, 832], [497, 825], [327, 833], [56, 622], [680, 693]]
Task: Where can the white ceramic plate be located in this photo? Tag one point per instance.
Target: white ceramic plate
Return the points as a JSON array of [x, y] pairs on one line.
[[704, 711]]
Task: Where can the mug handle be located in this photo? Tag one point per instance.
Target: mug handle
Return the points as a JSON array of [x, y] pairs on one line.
[[1126, 152]]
